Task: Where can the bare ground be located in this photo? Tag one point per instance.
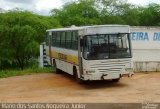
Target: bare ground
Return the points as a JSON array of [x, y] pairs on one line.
[[49, 88]]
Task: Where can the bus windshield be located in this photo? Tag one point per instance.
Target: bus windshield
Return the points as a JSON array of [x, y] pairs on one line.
[[106, 46]]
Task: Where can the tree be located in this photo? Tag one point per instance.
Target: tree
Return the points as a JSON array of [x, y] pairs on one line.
[[21, 45], [150, 15], [131, 15], [21, 32], [77, 13], [111, 7]]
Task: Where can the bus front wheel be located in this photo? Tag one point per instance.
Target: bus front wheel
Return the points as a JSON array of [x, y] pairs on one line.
[[75, 74], [115, 80]]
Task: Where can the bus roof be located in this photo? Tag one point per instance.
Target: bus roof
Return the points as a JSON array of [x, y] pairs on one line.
[[85, 27]]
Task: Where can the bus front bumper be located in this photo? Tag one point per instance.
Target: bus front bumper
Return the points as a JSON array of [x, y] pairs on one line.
[[107, 76], [101, 76]]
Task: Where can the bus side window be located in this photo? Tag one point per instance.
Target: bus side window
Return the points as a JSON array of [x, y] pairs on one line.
[[74, 40], [63, 39], [53, 38], [68, 39], [58, 39]]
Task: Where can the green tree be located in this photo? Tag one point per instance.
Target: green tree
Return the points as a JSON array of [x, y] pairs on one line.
[[111, 7], [131, 15], [150, 15], [77, 13], [21, 32], [22, 45]]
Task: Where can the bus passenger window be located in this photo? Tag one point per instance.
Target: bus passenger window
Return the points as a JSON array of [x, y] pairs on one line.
[[68, 39], [53, 38], [58, 39], [74, 40], [63, 39]]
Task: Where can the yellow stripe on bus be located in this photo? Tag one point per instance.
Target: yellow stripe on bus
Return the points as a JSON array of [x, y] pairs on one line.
[[68, 58]]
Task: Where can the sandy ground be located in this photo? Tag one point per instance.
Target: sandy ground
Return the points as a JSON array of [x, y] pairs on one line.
[[52, 88]]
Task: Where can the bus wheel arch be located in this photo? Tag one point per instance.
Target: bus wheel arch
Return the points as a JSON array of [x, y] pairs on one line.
[[76, 76]]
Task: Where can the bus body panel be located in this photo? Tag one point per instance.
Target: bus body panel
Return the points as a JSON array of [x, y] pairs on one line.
[[65, 59]]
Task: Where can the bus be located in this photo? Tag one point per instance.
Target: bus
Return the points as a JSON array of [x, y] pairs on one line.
[[100, 52]]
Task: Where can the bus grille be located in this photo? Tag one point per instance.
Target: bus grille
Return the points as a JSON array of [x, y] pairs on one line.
[[110, 66]]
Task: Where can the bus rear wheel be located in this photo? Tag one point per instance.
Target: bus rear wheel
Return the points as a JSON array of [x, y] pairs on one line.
[[57, 71]]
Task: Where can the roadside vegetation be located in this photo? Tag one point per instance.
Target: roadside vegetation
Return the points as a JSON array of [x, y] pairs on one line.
[[28, 71], [21, 32]]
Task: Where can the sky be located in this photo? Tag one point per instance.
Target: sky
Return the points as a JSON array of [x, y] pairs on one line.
[[44, 6]]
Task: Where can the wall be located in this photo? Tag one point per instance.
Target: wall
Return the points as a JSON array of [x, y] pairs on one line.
[[146, 48]]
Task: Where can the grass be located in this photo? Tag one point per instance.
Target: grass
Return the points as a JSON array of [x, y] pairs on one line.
[[28, 71]]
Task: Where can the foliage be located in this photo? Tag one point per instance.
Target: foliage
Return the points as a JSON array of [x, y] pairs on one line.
[[150, 15], [21, 32], [77, 13], [88, 12]]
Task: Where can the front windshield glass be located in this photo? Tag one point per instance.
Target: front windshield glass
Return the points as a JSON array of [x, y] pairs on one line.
[[106, 46]]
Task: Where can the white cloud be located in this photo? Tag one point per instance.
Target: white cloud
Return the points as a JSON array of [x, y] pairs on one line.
[[47, 5], [138, 2], [7, 5], [21, 1], [38, 6], [143, 2]]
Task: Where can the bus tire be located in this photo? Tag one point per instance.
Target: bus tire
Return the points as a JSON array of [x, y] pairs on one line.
[[75, 74], [115, 80], [57, 71]]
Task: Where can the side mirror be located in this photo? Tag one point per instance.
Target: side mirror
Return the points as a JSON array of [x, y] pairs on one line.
[[81, 42]]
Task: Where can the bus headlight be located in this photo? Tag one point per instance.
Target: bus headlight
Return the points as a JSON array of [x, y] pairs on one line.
[[90, 71]]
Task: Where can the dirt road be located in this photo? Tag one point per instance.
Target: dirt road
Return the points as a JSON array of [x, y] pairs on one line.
[[62, 88]]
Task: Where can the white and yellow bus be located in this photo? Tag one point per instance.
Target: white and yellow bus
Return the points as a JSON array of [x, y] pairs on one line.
[[101, 52]]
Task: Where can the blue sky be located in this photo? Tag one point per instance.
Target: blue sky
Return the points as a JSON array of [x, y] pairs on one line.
[[44, 6]]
